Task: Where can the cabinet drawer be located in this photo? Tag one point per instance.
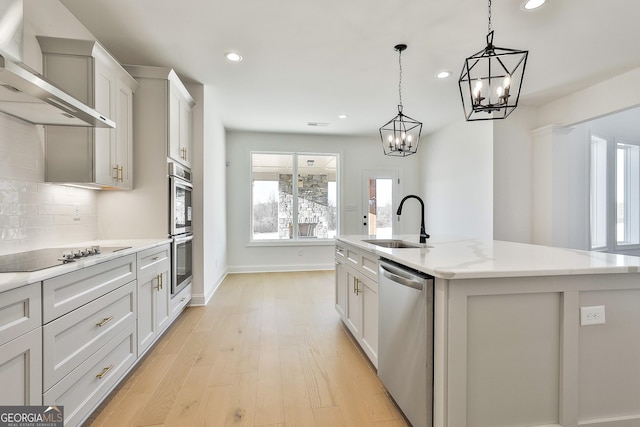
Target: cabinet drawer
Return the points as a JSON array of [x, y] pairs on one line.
[[340, 253], [84, 388], [20, 311], [154, 260], [369, 265], [70, 339], [180, 301], [65, 293], [352, 256]]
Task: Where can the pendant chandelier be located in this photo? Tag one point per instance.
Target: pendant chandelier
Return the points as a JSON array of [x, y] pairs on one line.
[[491, 79], [400, 135]]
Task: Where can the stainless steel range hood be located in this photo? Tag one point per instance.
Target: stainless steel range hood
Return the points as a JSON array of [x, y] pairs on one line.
[[28, 95]]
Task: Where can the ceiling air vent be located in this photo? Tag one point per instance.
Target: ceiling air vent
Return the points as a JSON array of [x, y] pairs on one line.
[[317, 124]]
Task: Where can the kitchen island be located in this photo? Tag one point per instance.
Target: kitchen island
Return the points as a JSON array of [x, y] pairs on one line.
[[527, 335]]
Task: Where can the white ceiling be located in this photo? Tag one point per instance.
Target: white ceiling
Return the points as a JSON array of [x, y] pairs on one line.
[[309, 61]]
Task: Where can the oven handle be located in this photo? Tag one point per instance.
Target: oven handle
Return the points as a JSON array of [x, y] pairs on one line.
[[182, 238], [179, 182]]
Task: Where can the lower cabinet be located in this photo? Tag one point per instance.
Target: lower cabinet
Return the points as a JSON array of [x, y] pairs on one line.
[[21, 370], [21, 346], [356, 296], [180, 301], [85, 387], [154, 295]]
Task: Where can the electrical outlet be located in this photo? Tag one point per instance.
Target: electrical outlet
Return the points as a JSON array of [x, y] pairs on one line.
[[592, 315], [76, 213], [300, 252]]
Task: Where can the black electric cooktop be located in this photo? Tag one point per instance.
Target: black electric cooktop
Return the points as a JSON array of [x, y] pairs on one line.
[[44, 258]]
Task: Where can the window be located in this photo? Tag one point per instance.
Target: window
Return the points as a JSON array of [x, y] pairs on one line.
[[294, 196], [614, 194]]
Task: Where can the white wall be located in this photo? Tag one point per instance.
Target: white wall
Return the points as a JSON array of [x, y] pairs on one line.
[[512, 179], [356, 155], [209, 171], [457, 178]]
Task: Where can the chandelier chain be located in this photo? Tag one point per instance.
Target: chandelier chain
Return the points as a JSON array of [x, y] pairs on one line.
[[400, 79], [489, 17]]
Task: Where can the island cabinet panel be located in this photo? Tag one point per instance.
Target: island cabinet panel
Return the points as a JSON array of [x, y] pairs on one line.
[[340, 283], [513, 351], [65, 293], [356, 296], [609, 364]]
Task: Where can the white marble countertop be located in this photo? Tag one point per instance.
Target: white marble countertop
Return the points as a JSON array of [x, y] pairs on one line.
[[10, 281], [460, 258]]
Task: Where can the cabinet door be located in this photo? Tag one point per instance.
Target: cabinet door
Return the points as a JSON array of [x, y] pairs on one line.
[[186, 122], [163, 301], [354, 303], [105, 165], [21, 370], [341, 290], [146, 314], [124, 138], [174, 124], [369, 296]]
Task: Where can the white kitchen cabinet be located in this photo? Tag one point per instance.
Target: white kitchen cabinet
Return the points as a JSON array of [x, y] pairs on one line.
[[171, 109], [180, 301], [21, 346], [102, 158], [180, 123], [340, 283], [358, 288], [154, 290]]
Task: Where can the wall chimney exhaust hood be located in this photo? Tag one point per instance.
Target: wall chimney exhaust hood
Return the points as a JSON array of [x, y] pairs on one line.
[[26, 94]]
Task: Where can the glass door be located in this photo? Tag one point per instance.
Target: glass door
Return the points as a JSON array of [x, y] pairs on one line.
[[380, 193]]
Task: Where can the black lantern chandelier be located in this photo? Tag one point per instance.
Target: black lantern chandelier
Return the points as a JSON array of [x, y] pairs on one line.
[[491, 79], [400, 135]]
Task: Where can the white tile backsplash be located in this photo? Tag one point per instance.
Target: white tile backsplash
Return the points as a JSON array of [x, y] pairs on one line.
[[34, 214]]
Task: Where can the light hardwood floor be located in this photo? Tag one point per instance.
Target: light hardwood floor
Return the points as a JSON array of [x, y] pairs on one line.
[[268, 350]]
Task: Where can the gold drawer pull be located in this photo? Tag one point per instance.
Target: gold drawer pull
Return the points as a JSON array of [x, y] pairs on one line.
[[104, 321], [104, 372], [155, 258]]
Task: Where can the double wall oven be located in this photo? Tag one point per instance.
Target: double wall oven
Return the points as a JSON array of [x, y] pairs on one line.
[[180, 227]]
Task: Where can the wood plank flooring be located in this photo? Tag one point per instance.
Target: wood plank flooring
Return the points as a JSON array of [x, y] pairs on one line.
[[268, 350]]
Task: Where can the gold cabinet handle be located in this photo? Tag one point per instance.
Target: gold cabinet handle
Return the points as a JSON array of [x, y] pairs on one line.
[[357, 286], [159, 279], [155, 258], [104, 372], [121, 174], [104, 321]]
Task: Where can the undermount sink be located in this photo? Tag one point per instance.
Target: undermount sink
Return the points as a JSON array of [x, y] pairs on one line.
[[393, 243]]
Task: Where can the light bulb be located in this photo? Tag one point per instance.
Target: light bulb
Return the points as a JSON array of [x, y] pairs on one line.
[[500, 91], [507, 81], [409, 138]]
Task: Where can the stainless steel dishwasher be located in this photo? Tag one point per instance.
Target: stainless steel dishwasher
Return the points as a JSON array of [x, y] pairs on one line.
[[405, 339]]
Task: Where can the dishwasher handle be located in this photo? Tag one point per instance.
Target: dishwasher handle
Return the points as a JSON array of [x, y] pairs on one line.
[[402, 276]]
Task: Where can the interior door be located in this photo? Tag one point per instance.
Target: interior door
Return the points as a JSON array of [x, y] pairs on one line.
[[380, 190]]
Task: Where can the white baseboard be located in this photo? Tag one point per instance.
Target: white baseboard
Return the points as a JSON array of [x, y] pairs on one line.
[[202, 299], [278, 268]]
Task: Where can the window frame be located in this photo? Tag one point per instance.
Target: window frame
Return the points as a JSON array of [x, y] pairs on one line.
[[296, 240]]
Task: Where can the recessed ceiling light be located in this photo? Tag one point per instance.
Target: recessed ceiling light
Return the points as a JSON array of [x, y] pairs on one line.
[[342, 116], [532, 4], [443, 74], [233, 56]]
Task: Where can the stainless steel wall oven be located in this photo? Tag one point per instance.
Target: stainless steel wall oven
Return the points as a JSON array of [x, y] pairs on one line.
[[181, 191], [180, 226]]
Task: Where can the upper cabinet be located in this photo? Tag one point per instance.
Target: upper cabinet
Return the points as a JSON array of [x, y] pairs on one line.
[[100, 158], [171, 96]]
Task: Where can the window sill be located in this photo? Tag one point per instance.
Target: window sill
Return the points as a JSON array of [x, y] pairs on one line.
[[291, 242]]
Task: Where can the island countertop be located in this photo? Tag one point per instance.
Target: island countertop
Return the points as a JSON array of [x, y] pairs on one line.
[[463, 258]]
